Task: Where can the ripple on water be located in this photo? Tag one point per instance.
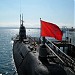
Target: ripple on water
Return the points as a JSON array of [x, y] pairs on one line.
[[7, 66]]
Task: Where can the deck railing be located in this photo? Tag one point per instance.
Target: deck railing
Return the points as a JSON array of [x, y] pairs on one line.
[[67, 59]]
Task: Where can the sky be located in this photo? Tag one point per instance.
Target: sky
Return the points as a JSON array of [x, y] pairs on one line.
[[60, 12]]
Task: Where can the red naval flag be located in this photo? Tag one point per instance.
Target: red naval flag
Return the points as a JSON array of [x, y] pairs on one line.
[[51, 30]]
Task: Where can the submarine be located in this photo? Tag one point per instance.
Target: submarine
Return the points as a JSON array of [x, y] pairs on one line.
[[32, 56]]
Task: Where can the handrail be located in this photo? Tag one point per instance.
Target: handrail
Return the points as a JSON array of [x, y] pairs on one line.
[[69, 62], [61, 51], [55, 54]]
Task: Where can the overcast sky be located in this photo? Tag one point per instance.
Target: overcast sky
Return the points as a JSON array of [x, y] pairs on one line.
[[60, 12]]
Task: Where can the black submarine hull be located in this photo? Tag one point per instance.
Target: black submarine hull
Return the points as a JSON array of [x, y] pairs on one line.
[[27, 62]]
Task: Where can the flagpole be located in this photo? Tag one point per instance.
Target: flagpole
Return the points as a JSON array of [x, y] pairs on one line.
[[42, 48], [43, 38]]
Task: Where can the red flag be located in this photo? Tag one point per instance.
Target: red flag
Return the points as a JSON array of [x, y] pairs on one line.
[[51, 30]]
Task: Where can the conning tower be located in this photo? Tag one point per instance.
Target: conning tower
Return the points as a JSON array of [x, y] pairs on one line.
[[22, 30]]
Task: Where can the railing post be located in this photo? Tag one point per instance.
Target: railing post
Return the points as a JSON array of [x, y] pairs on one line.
[[44, 40]]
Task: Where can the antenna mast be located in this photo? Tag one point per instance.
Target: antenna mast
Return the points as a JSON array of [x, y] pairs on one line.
[[20, 12], [20, 19]]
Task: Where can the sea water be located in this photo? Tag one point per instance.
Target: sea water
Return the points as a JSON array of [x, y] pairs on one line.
[[7, 65]]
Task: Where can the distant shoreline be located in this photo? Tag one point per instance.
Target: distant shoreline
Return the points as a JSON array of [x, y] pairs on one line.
[[17, 28], [70, 29]]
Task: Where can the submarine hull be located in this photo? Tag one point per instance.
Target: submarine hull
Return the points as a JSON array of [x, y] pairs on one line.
[[27, 62]]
